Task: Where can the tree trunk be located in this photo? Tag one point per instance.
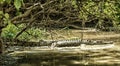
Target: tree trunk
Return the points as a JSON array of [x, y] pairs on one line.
[[1, 46], [1, 41]]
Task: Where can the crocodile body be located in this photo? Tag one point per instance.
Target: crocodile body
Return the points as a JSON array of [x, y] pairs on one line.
[[59, 43], [77, 42]]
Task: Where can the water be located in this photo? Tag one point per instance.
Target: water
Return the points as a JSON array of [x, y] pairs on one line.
[[72, 57]]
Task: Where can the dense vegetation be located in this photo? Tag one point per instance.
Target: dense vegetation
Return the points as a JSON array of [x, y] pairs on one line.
[[26, 19]]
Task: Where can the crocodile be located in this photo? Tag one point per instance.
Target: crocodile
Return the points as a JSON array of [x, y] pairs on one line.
[[63, 43], [83, 43]]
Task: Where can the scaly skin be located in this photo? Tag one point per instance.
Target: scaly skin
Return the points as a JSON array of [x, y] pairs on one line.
[[77, 42]]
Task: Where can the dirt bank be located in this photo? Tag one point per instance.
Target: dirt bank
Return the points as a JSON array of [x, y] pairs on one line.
[[76, 34]]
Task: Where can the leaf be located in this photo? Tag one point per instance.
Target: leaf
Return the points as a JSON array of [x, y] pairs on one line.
[[8, 1], [6, 15], [1, 12], [1, 1], [17, 4], [74, 3]]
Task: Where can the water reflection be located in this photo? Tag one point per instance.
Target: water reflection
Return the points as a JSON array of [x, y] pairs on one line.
[[106, 57]]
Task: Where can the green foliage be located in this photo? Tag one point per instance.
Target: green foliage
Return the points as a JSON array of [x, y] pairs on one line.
[[87, 10], [8, 1], [1, 14], [1, 1], [10, 31], [17, 3], [74, 3], [98, 9], [117, 14], [4, 17], [34, 33]]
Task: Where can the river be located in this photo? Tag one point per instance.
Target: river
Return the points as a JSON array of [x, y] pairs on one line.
[[101, 57]]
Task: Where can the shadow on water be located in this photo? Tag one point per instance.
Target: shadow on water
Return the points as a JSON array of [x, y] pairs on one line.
[[66, 61]]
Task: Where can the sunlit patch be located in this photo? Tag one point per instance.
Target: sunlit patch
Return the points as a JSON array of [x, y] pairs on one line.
[[95, 47], [44, 62], [104, 58], [107, 57], [80, 62], [116, 60], [76, 62], [102, 61], [108, 61]]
